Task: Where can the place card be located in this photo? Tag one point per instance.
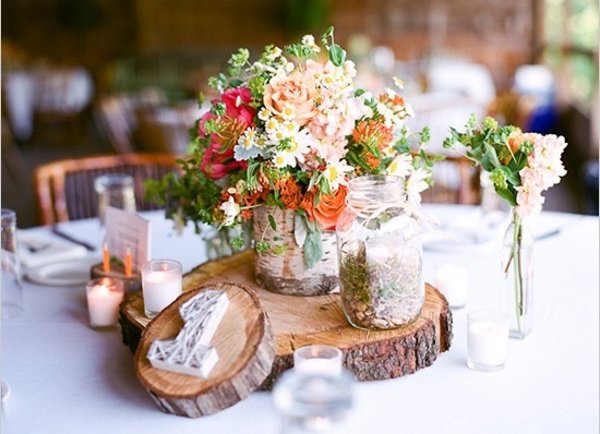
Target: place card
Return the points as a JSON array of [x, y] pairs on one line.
[[126, 231]]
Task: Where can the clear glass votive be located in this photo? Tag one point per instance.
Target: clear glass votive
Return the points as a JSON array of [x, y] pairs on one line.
[[161, 284], [104, 295], [321, 359], [313, 402], [487, 340], [452, 280], [116, 190], [12, 290]]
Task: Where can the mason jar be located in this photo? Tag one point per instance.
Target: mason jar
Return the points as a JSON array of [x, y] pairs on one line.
[[380, 255]]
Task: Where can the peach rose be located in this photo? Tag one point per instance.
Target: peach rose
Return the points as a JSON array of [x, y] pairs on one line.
[[295, 90], [514, 142], [330, 207]]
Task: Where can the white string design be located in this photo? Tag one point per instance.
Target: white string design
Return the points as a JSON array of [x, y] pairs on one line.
[[190, 351]]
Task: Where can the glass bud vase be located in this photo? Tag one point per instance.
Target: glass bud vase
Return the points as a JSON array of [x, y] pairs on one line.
[[380, 255], [517, 266]]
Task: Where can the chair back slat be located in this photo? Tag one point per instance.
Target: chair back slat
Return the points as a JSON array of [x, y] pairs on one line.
[[65, 189]]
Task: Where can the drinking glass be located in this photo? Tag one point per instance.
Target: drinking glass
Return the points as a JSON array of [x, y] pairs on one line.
[[116, 190], [12, 291]]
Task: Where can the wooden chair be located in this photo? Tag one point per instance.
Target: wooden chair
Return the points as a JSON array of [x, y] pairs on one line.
[[64, 189], [455, 181]]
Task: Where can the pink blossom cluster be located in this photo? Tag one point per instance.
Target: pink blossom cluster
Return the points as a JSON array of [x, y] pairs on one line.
[[543, 170]]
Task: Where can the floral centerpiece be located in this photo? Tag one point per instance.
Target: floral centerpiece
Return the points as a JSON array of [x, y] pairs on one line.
[[287, 132], [521, 166]]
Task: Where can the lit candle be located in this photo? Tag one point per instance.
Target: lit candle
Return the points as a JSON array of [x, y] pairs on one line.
[[105, 258], [104, 295], [487, 340], [318, 359], [128, 267], [161, 285], [452, 280]]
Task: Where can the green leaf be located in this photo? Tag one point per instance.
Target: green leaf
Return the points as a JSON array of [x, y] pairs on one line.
[[508, 196], [235, 82], [337, 55], [313, 248], [272, 222]]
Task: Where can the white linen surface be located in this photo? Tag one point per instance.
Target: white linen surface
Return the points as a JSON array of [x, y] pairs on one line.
[[67, 377]]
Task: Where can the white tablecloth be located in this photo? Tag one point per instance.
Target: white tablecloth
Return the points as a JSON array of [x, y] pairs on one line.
[[66, 377]]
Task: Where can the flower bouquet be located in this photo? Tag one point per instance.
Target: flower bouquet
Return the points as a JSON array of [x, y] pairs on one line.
[[285, 135], [521, 166]]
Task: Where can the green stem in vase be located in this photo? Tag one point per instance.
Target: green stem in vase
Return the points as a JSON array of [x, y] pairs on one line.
[[516, 256]]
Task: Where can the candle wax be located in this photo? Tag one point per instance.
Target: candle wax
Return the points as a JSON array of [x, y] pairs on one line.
[[103, 305], [160, 289], [487, 343], [319, 366]]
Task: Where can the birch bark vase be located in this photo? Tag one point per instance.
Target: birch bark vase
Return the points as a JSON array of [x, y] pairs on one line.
[[287, 273]]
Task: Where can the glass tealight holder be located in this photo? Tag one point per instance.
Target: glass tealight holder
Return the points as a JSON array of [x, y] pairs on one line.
[[318, 359], [104, 296], [487, 340], [313, 402], [161, 284]]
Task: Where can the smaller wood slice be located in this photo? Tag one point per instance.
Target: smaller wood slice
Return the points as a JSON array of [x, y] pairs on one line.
[[244, 342]]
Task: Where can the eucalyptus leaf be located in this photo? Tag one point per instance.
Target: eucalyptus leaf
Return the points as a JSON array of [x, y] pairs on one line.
[[313, 249]]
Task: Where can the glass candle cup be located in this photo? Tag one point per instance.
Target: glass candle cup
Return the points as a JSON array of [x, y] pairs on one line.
[[318, 359], [161, 284], [312, 402], [487, 340], [104, 295], [12, 291]]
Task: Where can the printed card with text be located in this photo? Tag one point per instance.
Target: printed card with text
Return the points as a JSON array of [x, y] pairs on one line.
[[127, 230]]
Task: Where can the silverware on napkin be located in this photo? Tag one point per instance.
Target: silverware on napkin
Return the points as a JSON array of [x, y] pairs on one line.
[[57, 231]]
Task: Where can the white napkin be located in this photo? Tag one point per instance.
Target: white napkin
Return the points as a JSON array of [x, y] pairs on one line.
[[36, 250]]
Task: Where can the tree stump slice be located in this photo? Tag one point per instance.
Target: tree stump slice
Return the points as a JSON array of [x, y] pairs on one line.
[[299, 321], [244, 342], [133, 283]]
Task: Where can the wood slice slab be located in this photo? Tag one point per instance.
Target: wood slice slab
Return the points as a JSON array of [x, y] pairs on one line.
[[244, 342], [300, 321]]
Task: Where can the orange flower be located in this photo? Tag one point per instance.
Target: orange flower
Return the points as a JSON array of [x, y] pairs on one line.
[[329, 208], [372, 135], [388, 100], [514, 142], [308, 204], [289, 192]]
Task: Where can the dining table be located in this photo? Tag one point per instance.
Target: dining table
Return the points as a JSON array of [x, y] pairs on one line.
[[63, 376]]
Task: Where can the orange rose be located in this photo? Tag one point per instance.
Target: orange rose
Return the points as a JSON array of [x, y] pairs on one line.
[[330, 207], [294, 90]]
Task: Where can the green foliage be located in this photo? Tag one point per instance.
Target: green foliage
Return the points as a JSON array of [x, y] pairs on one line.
[[488, 146]]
